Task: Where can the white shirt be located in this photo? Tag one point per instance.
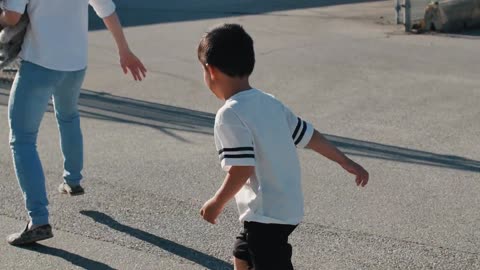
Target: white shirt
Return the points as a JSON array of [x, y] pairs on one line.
[[255, 129], [56, 37]]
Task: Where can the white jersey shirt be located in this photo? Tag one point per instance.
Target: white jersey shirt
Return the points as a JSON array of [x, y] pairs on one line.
[[57, 36], [255, 129]]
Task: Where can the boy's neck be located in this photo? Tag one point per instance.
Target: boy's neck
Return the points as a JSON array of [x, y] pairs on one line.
[[235, 86]]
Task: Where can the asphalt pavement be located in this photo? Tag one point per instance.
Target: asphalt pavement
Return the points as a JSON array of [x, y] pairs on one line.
[[404, 106]]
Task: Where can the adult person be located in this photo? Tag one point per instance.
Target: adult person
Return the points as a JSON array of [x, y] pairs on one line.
[[54, 60]]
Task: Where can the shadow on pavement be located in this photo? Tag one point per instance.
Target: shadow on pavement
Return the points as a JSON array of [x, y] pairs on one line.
[[399, 154], [165, 118], [466, 34], [472, 34], [169, 119], [72, 258], [146, 12], [190, 254]]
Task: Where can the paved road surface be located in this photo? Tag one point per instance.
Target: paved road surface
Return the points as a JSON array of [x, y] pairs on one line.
[[404, 106]]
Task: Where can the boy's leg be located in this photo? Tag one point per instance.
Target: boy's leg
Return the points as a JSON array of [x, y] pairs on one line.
[[65, 100], [28, 102], [239, 264], [241, 255], [268, 245]]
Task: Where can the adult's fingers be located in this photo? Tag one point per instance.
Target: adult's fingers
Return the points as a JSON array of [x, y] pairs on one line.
[[135, 74], [137, 70], [124, 67], [140, 73], [142, 68]]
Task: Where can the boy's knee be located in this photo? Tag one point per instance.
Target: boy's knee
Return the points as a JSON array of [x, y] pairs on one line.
[[240, 264]]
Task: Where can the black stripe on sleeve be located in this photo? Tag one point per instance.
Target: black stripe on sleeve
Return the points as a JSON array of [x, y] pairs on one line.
[[237, 156], [236, 149], [299, 122], [301, 133]]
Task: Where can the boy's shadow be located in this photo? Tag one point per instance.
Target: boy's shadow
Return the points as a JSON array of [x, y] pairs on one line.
[[75, 259], [205, 260]]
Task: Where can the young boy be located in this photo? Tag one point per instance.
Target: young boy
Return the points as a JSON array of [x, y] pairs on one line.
[[256, 137]]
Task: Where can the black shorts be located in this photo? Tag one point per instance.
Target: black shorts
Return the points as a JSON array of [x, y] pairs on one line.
[[265, 246]]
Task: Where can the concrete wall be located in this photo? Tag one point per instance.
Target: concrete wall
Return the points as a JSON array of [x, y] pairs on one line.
[[452, 15]]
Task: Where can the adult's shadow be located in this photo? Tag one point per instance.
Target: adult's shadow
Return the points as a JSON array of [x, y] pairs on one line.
[[75, 259], [205, 260]]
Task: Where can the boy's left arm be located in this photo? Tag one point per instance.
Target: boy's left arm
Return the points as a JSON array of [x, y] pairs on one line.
[[236, 177], [236, 151], [321, 145]]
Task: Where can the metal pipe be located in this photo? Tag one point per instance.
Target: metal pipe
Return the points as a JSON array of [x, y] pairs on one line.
[[408, 15]]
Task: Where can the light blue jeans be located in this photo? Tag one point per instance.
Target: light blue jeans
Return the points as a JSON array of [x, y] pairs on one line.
[[31, 91]]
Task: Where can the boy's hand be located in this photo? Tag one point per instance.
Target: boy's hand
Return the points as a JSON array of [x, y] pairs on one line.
[[237, 177], [357, 170], [211, 210], [130, 62]]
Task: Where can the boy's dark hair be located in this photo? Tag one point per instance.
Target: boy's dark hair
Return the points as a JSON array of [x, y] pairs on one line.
[[229, 48]]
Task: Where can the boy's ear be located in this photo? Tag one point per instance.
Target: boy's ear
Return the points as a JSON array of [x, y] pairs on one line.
[[212, 71]]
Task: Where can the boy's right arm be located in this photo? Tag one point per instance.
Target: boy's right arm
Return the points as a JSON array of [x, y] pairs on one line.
[[304, 135], [321, 145]]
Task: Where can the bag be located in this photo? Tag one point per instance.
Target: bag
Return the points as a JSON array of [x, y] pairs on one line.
[[11, 40]]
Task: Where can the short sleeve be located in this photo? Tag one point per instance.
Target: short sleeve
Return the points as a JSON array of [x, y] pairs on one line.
[[103, 8], [15, 5], [234, 142], [301, 130]]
